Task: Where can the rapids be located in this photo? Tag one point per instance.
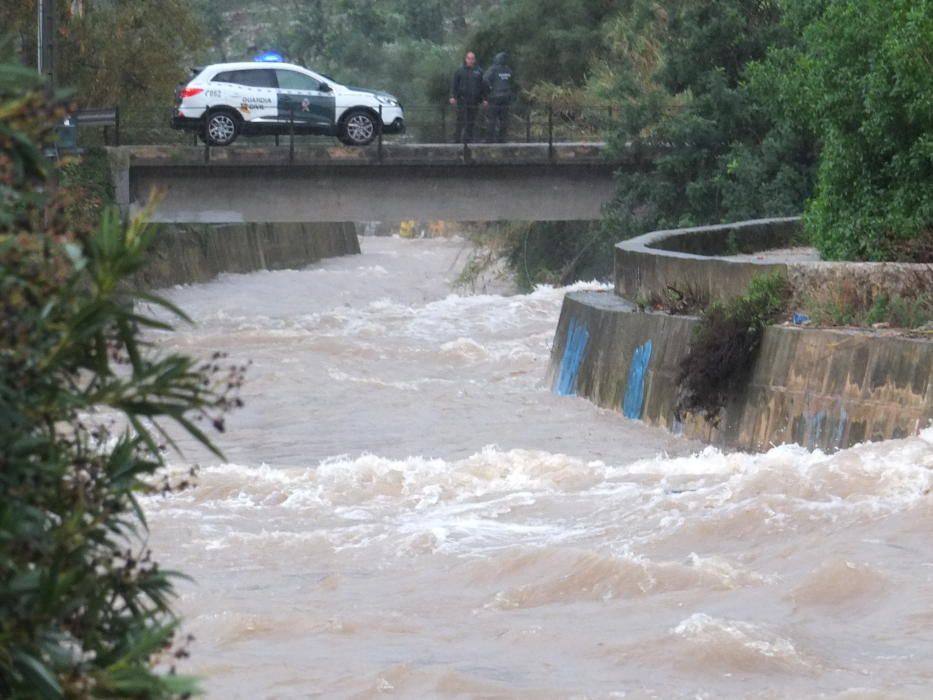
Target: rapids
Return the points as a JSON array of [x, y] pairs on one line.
[[408, 511]]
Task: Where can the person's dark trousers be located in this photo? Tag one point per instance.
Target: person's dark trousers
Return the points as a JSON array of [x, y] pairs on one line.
[[466, 117], [497, 121]]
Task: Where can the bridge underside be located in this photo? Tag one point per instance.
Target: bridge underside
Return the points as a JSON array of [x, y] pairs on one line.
[[501, 183]]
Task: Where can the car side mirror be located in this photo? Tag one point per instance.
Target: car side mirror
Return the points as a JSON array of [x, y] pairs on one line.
[[325, 88]]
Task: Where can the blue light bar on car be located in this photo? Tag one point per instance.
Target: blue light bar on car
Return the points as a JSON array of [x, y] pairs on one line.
[[269, 57]]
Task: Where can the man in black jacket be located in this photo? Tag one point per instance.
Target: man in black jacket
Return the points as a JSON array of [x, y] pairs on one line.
[[467, 91], [500, 88]]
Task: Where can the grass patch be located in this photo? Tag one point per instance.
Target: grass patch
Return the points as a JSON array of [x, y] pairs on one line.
[[851, 304]]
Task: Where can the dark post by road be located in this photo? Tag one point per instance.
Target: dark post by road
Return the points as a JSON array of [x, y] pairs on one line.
[[379, 127], [48, 48], [116, 126], [444, 123], [528, 124], [550, 130], [291, 134]]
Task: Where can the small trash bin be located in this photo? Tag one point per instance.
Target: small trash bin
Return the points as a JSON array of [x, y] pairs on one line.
[[66, 135]]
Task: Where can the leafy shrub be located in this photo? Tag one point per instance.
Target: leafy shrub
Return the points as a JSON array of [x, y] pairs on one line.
[[861, 80], [84, 610], [725, 344]]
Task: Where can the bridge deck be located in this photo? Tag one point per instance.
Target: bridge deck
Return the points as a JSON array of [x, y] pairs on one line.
[[390, 154], [482, 182]]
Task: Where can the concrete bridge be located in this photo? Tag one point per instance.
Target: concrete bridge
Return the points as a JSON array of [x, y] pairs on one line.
[[394, 182]]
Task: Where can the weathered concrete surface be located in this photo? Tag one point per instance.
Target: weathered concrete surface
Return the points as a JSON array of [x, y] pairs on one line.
[[819, 388], [187, 253], [699, 260], [487, 182], [696, 258]]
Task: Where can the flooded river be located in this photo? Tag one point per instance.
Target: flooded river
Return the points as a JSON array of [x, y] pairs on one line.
[[407, 511]]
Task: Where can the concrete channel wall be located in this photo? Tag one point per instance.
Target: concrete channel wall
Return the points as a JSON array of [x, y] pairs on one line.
[[821, 388], [824, 389], [696, 258], [699, 261], [189, 253]]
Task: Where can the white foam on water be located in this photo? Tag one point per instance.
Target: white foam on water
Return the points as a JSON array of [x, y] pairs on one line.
[[407, 502], [739, 644]]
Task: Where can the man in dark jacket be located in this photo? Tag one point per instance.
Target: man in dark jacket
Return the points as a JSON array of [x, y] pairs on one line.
[[467, 91], [500, 88]]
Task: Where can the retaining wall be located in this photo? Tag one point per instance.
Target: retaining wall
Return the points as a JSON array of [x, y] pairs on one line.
[[697, 261], [187, 253], [819, 388], [694, 259]]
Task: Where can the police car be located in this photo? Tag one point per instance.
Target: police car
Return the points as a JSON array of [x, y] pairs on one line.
[[225, 100]]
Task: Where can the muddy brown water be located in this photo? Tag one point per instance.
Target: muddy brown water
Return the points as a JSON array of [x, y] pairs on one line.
[[408, 511]]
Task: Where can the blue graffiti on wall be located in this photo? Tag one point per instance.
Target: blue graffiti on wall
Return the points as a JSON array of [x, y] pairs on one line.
[[577, 338], [635, 387], [815, 426], [840, 426]]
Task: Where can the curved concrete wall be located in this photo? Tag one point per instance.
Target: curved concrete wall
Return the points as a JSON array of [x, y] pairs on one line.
[[187, 253], [819, 388], [697, 260], [693, 258]]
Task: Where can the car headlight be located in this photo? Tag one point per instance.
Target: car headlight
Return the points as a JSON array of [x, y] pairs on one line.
[[387, 100]]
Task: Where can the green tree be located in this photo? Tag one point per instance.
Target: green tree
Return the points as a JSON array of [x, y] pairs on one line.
[[128, 53], [701, 144], [84, 609], [862, 80], [112, 52], [549, 44], [712, 151]]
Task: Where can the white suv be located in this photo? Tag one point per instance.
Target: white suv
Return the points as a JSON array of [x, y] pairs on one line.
[[228, 99]]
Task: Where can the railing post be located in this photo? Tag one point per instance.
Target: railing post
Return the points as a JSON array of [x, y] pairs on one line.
[[379, 126], [444, 123], [528, 124], [291, 134], [550, 130], [116, 125]]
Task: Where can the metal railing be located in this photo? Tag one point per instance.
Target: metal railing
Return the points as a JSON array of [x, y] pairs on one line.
[[424, 124]]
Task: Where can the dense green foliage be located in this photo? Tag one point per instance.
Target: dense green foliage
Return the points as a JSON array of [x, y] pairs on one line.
[[862, 78], [84, 610], [724, 345], [702, 144], [86, 178], [713, 153], [553, 46], [129, 54]]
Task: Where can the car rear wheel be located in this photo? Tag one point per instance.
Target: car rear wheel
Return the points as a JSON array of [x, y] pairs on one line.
[[221, 128], [359, 128]]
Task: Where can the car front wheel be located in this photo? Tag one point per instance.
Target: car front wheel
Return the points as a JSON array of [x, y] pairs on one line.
[[221, 128], [359, 128]]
